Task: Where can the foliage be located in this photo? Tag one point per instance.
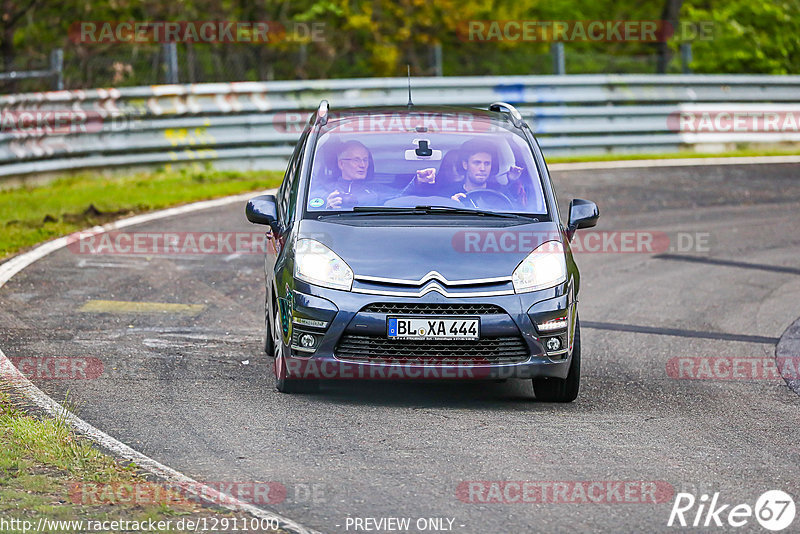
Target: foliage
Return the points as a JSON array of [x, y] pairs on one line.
[[379, 37], [757, 37]]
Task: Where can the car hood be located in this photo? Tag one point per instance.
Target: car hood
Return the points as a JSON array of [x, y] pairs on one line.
[[411, 252]]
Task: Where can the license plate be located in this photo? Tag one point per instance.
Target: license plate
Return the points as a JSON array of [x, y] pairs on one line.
[[433, 328]]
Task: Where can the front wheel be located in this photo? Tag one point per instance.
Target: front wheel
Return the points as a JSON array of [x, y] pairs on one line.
[[549, 389], [283, 383]]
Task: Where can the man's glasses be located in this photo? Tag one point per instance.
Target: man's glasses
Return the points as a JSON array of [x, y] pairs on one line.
[[362, 161]]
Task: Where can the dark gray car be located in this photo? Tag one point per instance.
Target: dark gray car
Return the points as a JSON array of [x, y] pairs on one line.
[[419, 243]]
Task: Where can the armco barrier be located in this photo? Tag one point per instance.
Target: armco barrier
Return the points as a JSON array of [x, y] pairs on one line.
[[254, 124]]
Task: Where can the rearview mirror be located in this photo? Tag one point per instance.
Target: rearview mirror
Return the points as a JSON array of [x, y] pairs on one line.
[[582, 214], [262, 210]]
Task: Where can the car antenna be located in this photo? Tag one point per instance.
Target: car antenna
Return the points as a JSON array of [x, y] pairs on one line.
[[410, 103]]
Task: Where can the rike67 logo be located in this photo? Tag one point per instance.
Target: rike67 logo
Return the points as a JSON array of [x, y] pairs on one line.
[[774, 510]]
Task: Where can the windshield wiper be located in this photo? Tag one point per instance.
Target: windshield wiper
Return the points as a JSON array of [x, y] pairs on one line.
[[385, 209], [427, 210], [359, 211], [471, 211]]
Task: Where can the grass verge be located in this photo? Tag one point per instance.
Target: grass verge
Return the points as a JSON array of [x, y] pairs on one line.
[[30, 215]]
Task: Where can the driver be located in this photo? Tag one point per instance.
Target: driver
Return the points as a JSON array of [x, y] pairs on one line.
[[477, 160], [470, 168]]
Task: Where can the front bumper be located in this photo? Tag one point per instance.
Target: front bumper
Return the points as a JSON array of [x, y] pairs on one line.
[[333, 316]]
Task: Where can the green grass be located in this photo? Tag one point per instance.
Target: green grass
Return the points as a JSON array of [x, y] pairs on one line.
[[673, 155], [29, 215], [41, 461]]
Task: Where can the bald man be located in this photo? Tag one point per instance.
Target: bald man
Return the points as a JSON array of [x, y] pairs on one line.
[[352, 188]]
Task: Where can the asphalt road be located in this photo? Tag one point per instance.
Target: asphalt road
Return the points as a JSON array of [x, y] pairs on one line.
[[175, 387]]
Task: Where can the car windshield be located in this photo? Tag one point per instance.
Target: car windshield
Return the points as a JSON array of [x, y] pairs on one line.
[[416, 159]]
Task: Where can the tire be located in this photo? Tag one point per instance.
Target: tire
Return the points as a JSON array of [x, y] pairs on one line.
[[283, 383], [549, 389], [267, 343]]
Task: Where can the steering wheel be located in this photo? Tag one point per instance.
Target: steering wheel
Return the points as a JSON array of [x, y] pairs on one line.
[[487, 198]]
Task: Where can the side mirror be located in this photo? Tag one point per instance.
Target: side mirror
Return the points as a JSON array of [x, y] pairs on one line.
[[262, 210], [582, 214]]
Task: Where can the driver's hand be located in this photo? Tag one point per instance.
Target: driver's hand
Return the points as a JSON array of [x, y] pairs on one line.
[[334, 200], [514, 172], [426, 176], [459, 196]]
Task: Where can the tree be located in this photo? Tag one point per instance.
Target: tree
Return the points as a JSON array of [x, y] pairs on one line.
[[748, 37]]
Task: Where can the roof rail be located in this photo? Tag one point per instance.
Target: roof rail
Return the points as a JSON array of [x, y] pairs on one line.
[[516, 116], [322, 112]]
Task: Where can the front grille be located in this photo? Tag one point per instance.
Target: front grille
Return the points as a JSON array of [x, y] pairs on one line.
[[432, 308], [431, 352]]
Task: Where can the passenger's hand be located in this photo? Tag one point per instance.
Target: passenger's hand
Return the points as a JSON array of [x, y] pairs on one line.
[[334, 200], [459, 196], [514, 172], [427, 176]]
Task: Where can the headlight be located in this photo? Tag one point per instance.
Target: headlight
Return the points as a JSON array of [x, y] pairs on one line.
[[317, 264], [544, 267]]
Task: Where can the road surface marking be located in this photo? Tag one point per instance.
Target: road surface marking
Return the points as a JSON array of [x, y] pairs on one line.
[[124, 306]]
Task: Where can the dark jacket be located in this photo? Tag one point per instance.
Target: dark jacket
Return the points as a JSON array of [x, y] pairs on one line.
[[354, 193]]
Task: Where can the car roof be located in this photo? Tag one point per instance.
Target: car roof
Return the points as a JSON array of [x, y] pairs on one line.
[[443, 110]]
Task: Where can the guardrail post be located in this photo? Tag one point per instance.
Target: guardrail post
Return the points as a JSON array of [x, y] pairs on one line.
[[686, 58], [302, 55], [57, 68], [437, 60], [171, 61], [557, 51]]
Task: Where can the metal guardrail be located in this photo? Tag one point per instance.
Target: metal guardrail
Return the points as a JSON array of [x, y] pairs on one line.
[[255, 124]]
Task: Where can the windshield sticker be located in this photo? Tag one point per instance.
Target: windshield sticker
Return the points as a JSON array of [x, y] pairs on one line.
[[316, 202]]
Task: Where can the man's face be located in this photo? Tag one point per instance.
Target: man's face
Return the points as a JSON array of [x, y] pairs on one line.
[[353, 163], [478, 167]]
